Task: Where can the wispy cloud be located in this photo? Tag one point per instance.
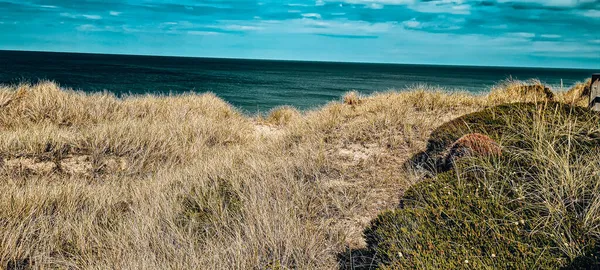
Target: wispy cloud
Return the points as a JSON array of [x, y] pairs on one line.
[[80, 16], [92, 17], [349, 36], [551, 36], [367, 26], [592, 13], [522, 35], [412, 24], [203, 33], [312, 15]]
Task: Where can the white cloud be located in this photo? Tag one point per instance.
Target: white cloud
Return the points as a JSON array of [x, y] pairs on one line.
[[343, 27], [462, 8], [446, 24], [87, 27], [375, 6], [76, 16], [297, 5], [381, 2], [497, 26], [330, 27], [412, 24], [562, 47], [235, 27], [95, 28], [68, 15], [522, 34], [92, 17], [443, 6], [550, 36], [203, 33], [592, 13], [550, 3], [312, 15]]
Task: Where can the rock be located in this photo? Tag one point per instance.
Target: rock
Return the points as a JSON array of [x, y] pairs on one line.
[[473, 144]]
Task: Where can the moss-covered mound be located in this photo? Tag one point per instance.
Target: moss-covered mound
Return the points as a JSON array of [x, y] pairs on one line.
[[533, 207], [501, 123], [445, 224]]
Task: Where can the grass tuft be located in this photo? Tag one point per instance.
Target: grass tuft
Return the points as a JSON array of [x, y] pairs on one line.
[[579, 94], [352, 98], [282, 116]]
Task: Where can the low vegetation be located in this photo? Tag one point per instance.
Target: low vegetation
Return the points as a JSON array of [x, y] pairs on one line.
[[534, 206], [155, 182]]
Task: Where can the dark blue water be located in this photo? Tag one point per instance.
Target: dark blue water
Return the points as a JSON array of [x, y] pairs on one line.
[[254, 85]]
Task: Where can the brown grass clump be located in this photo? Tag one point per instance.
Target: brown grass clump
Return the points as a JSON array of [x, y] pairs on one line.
[[352, 98], [282, 116], [521, 91], [578, 95], [156, 182]]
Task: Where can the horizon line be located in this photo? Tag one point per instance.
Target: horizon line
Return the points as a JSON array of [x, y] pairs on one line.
[[300, 60]]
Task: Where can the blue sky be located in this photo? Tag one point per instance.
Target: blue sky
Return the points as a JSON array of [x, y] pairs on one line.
[[550, 33]]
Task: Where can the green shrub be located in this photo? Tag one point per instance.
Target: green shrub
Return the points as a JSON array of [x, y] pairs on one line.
[[535, 206], [445, 224]]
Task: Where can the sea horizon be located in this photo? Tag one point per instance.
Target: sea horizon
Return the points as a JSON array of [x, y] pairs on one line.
[[303, 60], [259, 85]]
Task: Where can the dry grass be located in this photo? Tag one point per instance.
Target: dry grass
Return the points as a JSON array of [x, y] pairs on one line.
[[93, 181], [578, 95], [282, 116], [352, 98], [525, 91], [566, 186]]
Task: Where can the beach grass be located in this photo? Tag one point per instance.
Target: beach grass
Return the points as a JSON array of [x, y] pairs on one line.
[[155, 182]]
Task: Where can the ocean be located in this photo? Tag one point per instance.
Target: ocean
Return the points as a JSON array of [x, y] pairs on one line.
[[256, 85]]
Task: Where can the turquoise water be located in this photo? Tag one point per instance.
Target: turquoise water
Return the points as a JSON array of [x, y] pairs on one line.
[[255, 85]]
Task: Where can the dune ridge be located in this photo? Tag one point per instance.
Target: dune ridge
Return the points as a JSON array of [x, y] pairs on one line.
[[95, 181]]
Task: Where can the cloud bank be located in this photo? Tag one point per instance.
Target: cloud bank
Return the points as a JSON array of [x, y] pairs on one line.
[[480, 32]]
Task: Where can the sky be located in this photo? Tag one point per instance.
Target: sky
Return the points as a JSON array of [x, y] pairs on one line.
[[535, 33]]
